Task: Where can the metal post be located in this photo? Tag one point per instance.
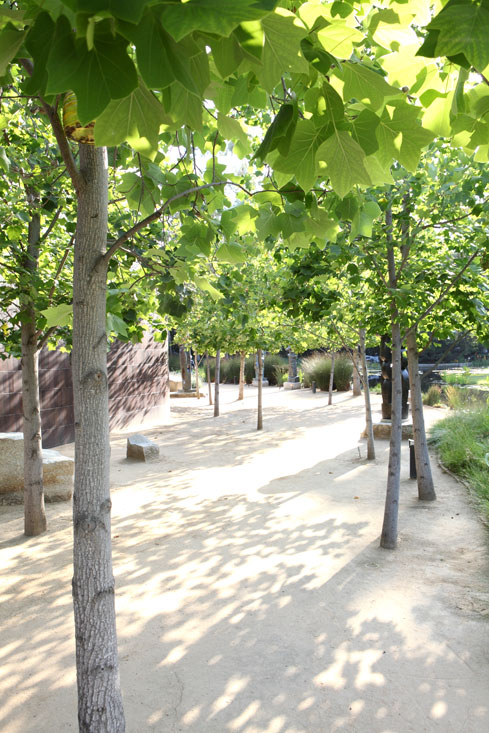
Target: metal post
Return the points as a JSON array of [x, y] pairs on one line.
[[412, 459]]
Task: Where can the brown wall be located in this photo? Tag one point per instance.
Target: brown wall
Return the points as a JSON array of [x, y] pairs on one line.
[[138, 390]]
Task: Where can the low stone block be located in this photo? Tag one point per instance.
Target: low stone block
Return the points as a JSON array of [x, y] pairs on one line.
[[292, 385], [57, 470], [141, 448]]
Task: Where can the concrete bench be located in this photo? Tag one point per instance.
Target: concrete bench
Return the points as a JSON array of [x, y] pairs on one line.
[[57, 471]]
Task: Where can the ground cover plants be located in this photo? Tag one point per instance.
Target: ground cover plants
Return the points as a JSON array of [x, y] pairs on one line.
[[462, 443]]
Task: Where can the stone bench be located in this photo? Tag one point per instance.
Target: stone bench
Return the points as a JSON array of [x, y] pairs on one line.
[[57, 471]]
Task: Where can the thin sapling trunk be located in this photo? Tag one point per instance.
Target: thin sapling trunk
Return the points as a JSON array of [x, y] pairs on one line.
[[259, 423], [34, 511], [426, 489], [208, 369], [331, 380], [242, 358], [369, 424], [217, 378]]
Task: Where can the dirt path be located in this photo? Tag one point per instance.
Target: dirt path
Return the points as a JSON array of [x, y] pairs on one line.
[[252, 595]]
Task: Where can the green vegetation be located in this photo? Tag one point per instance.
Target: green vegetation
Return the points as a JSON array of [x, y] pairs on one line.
[[317, 368], [433, 396], [462, 442], [465, 377]]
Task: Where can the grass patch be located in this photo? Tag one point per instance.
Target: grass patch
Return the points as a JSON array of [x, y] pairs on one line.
[[462, 442]]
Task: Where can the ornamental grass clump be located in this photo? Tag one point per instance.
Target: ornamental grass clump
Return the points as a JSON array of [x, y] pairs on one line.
[[317, 368], [433, 396]]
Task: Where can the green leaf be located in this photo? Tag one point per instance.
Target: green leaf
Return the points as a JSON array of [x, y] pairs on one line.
[[96, 76], [401, 137], [232, 253], [58, 315], [363, 221], [136, 118], [161, 61], [131, 10], [211, 16], [338, 39], [231, 129], [344, 159], [363, 131], [282, 50], [11, 40], [239, 220], [38, 43], [205, 285], [364, 85], [463, 29], [115, 324], [4, 161], [279, 134], [301, 160]]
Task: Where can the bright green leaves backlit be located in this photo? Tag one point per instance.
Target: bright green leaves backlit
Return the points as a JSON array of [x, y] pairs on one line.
[[460, 32]]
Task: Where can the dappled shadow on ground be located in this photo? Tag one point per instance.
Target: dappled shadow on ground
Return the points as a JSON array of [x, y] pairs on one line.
[[252, 595]]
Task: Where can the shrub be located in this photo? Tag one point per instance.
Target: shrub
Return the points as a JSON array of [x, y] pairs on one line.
[[433, 396], [317, 368]]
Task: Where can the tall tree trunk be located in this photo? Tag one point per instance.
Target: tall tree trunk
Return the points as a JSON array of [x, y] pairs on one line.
[[357, 382], [217, 379], [99, 695], [34, 512], [242, 358], [388, 538], [331, 380], [259, 422], [426, 489], [208, 369], [369, 424]]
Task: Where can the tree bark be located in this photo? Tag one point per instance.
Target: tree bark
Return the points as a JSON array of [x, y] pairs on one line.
[[357, 383], [369, 424], [426, 489], [209, 383], [197, 385], [99, 695], [388, 538], [331, 380], [184, 370], [34, 511], [259, 422], [217, 378], [242, 358]]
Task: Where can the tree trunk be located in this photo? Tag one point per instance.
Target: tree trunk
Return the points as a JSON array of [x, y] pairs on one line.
[[426, 489], [357, 382], [184, 370], [369, 424], [259, 423], [34, 512], [331, 380], [217, 378], [99, 695], [209, 384], [242, 358], [197, 385], [388, 538]]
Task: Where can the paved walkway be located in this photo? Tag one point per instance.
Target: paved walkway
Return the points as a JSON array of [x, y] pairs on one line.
[[252, 595]]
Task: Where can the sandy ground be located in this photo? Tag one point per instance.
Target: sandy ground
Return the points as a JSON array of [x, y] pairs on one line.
[[252, 595]]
